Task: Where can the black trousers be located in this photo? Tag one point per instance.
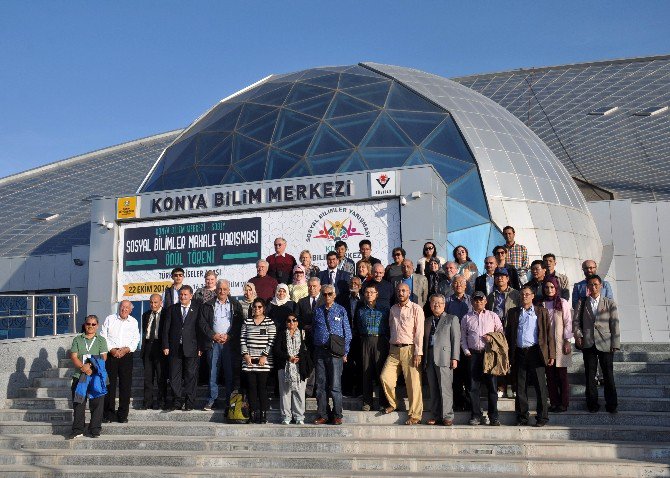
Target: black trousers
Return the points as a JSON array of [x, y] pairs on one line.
[[529, 367], [96, 405], [120, 370], [591, 358], [257, 387], [374, 351], [477, 376], [155, 367], [461, 384], [183, 377], [351, 369]]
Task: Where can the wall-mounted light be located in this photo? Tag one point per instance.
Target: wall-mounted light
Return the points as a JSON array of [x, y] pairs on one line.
[[416, 194], [78, 262], [403, 201]]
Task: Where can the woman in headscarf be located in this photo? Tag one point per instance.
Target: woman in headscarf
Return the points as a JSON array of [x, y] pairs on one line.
[[560, 317], [298, 288], [306, 261], [294, 362], [249, 291], [466, 267], [280, 306], [429, 251]]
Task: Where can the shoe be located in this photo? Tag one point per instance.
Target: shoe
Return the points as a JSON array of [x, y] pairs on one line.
[[521, 423], [188, 408], [412, 421], [431, 421], [108, 419], [611, 410], [286, 422], [555, 409], [74, 435], [594, 409], [263, 419], [540, 423], [387, 410], [474, 421], [123, 420], [366, 408], [510, 392], [142, 408], [500, 393], [483, 420], [494, 423], [95, 435], [208, 407], [320, 421], [156, 406], [300, 422], [447, 423], [336, 421]]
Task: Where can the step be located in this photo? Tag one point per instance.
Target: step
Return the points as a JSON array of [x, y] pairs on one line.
[[621, 368], [657, 452], [599, 433], [570, 417], [271, 460]]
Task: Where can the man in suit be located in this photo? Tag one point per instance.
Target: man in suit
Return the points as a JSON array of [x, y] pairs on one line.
[[221, 322], [334, 276], [183, 343], [171, 294], [580, 290], [306, 308], [441, 351], [596, 330], [532, 346], [155, 363], [351, 301], [417, 283], [485, 282]]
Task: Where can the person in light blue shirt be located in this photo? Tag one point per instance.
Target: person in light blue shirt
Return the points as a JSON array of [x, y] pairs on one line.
[[579, 291]]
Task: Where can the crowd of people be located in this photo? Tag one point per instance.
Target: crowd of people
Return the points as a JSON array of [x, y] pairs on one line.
[[354, 326]]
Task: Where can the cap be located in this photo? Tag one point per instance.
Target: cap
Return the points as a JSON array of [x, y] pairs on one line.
[[479, 295], [501, 271]]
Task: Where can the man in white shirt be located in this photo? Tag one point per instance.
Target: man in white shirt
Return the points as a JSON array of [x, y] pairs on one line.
[[123, 336]]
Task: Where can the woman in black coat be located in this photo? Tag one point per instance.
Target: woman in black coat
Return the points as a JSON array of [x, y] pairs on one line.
[[294, 363]]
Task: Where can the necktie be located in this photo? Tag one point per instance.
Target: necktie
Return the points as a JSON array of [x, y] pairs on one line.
[[332, 277], [313, 303], [184, 312], [152, 332]]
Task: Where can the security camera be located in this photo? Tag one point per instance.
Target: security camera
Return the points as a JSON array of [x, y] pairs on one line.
[[403, 201], [109, 225]]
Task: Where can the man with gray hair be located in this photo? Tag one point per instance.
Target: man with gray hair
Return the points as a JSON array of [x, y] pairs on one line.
[[281, 263], [155, 363], [221, 321], [122, 334], [265, 285]]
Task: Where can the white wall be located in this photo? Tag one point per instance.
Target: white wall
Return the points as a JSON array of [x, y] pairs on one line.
[[640, 272]]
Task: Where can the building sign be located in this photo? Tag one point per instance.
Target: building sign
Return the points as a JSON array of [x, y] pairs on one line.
[[383, 184], [231, 244], [126, 207]]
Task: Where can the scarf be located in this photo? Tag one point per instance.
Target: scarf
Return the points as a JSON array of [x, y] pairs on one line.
[[556, 299], [303, 281], [275, 300], [291, 373]]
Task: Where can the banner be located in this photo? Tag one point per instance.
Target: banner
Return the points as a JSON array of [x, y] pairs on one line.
[[231, 244]]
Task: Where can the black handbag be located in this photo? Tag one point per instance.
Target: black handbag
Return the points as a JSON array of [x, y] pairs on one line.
[[335, 342], [581, 323]]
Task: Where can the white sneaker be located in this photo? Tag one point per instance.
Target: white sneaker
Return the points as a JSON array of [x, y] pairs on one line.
[[286, 422], [300, 422], [500, 393]]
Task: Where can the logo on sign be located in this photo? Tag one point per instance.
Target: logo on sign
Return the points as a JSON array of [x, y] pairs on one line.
[[338, 230], [383, 183], [338, 224]]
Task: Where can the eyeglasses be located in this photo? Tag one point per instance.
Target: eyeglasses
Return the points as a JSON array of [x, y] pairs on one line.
[[497, 253], [298, 272], [258, 307], [90, 325], [397, 254], [178, 275], [428, 248], [277, 245], [288, 321], [328, 294]]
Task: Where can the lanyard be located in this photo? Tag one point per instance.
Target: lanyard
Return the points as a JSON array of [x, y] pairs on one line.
[[88, 347]]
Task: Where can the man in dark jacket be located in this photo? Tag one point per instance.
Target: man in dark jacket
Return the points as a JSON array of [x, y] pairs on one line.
[[155, 363], [221, 322], [183, 343], [531, 347]]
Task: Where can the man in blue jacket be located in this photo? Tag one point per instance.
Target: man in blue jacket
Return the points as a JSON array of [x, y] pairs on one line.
[[579, 291], [329, 319]]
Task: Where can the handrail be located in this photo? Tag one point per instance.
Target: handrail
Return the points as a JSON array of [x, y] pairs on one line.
[[31, 315]]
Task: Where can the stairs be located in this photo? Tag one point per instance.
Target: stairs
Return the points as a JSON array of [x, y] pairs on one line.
[[633, 443]]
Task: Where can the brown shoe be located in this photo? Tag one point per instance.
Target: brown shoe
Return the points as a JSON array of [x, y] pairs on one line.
[[412, 421], [447, 423], [432, 421], [320, 421], [337, 421], [388, 410]]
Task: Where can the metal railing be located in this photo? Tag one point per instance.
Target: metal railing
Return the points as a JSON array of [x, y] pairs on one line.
[[33, 315]]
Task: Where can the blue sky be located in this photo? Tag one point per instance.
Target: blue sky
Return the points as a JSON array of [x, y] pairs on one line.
[[78, 76]]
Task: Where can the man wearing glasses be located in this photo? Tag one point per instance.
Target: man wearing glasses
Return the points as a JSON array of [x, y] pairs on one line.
[[123, 336], [500, 253], [281, 264], [171, 294], [329, 319]]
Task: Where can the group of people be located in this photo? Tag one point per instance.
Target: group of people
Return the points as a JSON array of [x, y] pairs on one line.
[[341, 330]]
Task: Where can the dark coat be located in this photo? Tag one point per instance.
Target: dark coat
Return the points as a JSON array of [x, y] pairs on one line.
[[480, 283], [305, 364], [153, 347], [341, 280], [279, 313], [188, 330], [206, 322], [545, 336], [305, 312], [168, 299]]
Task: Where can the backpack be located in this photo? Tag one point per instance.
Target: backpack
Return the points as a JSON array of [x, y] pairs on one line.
[[238, 411]]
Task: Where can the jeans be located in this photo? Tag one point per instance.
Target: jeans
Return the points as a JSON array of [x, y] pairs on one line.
[[328, 376], [220, 355], [291, 403]]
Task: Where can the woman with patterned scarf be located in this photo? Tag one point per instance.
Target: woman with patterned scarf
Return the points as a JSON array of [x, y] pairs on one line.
[[560, 317], [298, 288], [295, 365]]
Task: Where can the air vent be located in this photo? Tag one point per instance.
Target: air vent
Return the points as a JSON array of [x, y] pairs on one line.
[[604, 111], [655, 110], [46, 216]]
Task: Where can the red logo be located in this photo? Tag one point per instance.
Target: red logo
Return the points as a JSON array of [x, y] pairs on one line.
[[383, 180]]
